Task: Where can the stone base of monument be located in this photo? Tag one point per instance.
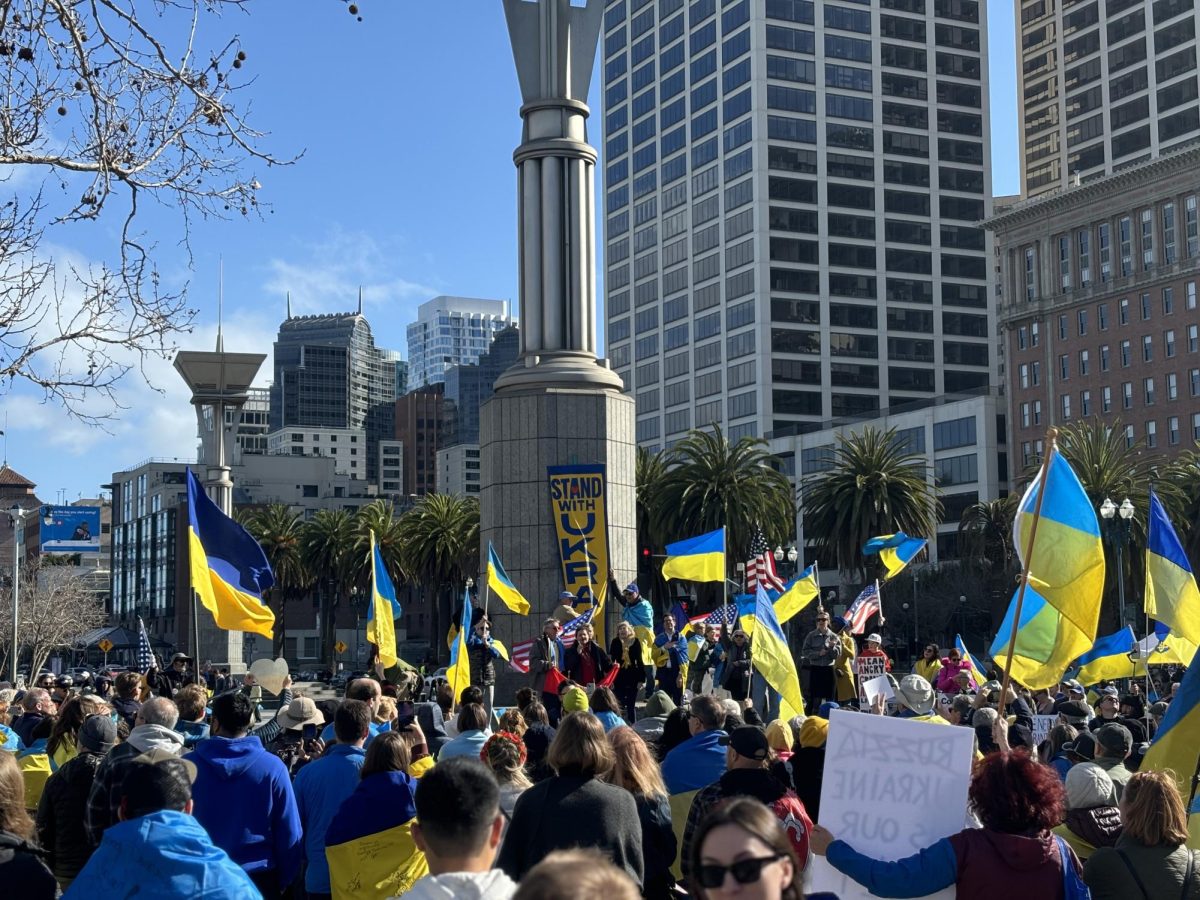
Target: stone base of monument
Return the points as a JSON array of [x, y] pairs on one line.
[[523, 431]]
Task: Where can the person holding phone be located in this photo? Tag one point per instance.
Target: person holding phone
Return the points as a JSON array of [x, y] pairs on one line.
[[300, 740]]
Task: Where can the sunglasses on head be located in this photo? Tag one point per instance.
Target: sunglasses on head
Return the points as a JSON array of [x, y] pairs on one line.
[[744, 871]]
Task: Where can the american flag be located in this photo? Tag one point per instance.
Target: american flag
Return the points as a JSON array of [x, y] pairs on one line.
[[145, 655], [865, 605], [521, 651], [722, 615], [761, 566]]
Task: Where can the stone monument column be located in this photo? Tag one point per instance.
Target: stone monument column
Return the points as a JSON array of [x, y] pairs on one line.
[[559, 404]]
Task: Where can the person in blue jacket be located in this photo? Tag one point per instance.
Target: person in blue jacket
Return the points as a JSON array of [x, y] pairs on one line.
[[243, 797], [674, 645], [158, 849], [637, 611]]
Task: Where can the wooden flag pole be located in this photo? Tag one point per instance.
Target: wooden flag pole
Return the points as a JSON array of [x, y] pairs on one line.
[[1051, 440]]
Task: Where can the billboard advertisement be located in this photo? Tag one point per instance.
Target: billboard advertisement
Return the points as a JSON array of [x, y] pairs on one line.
[[70, 529]]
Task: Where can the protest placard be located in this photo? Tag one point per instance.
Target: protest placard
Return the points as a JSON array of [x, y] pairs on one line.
[[877, 686], [897, 787], [868, 667], [1041, 728]]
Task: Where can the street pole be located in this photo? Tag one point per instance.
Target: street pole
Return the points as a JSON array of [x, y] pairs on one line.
[[1120, 580], [17, 515]]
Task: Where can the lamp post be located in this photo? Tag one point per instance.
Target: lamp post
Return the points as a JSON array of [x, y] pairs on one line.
[[791, 555], [962, 615], [17, 515], [1117, 522]]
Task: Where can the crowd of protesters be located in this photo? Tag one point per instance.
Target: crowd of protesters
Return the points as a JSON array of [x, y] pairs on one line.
[[668, 783]]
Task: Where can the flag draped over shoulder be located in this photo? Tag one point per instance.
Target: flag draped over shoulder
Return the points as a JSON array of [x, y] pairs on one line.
[[369, 844], [383, 610], [1061, 605], [1109, 659], [895, 551], [772, 658], [1171, 593], [502, 585], [229, 571], [700, 558], [1177, 743], [459, 671]]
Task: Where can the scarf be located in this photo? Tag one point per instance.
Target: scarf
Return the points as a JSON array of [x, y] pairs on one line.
[[626, 645]]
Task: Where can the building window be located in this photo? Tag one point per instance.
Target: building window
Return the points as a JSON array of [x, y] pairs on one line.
[[1190, 295], [1123, 311], [1125, 236], [1066, 406], [1106, 399], [1030, 276], [1147, 239], [1062, 327], [1037, 412], [1083, 362], [1168, 232], [1064, 367], [1105, 241], [1193, 338], [1172, 386], [1082, 318], [1169, 342], [1127, 395], [1190, 224], [1145, 307], [1085, 403], [1022, 338], [1084, 241], [1035, 334], [1035, 371], [1129, 438], [1102, 317], [1194, 378], [1147, 348], [1148, 390], [1024, 415], [1196, 426], [1168, 301], [1064, 262], [1151, 434], [1104, 357], [1024, 370], [1126, 353]]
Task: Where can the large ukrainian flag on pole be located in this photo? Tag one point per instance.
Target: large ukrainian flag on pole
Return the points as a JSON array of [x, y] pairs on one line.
[[697, 559], [895, 551], [797, 594], [1171, 593], [1176, 745], [499, 582], [384, 609], [459, 671], [772, 659], [229, 571], [1061, 606], [1109, 659]]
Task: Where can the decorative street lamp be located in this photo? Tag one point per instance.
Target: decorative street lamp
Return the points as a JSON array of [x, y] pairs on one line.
[[1117, 522], [790, 554]]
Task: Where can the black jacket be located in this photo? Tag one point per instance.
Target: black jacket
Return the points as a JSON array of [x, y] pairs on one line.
[[599, 657], [635, 672], [480, 659], [22, 872], [659, 846], [60, 815], [127, 708], [573, 810]]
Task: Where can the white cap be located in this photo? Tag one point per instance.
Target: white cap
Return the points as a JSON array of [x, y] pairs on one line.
[[874, 638]]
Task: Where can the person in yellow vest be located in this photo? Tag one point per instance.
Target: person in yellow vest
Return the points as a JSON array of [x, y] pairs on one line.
[[843, 669], [929, 664]]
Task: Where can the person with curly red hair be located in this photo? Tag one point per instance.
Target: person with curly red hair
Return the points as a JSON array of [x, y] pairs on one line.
[[504, 753], [1014, 854]]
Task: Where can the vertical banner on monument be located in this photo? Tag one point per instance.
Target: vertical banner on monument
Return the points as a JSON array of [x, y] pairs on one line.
[[898, 787], [577, 500]]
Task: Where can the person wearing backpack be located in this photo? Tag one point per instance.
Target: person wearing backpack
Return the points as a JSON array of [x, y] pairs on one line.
[[1150, 860]]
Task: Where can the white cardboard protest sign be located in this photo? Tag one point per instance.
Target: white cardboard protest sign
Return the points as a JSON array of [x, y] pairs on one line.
[[1041, 728], [879, 685], [896, 787], [868, 668]]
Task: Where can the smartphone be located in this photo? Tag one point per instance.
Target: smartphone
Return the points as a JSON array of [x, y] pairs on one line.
[[406, 713], [310, 732]]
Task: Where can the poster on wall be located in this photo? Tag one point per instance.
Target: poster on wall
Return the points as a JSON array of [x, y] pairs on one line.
[[70, 529], [578, 501]]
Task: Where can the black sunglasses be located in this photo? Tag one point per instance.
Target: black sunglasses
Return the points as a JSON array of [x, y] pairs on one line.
[[744, 871]]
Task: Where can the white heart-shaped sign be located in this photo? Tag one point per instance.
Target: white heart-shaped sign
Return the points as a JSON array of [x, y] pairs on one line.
[[270, 673]]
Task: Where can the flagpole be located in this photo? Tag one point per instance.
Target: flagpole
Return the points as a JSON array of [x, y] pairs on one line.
[[1051, 440]]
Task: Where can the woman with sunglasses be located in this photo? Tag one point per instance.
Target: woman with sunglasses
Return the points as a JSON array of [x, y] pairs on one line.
[[929, 664], [740, 851]]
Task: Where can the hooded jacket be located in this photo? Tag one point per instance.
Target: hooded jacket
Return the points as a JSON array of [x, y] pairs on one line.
[[983, 864], [490, 885], [321, 787], [60, 815], [105, 798], [165, 854], [949, 672], [243, 798], [433, 725], [126, 707], [654, 716], [22, 871]]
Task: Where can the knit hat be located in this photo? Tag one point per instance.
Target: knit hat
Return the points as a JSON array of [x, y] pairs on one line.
[[827, 707], [574, 699], [814, 732], [98, 733], [916, 693], [779, 735], [659, 704], [1089, 786]]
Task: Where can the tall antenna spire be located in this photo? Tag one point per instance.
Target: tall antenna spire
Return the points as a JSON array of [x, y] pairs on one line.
[[220, 303], [289, 304], [360, 299]]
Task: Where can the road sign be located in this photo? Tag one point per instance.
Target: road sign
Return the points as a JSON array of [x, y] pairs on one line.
[[105, 645], [340, 646]]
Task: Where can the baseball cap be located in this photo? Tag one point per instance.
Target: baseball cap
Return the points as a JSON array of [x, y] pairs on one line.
[[1115, 738], [874, 639], [1073, 685], [566, 595], [1083, 746], [631, 588], [177, 764], [1110, 691], [916, 693], [747, 741], [98, 733]]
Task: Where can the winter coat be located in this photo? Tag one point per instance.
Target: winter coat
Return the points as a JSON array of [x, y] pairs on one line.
[[843, 671], [480, 656], [571, 810], [25, 725], [633, 669], [659, 845], [469, 743], [573, 659], [60, 815], [1087, 829], [735, 673], [609, 720], [165, 854], [1162, 870], [105, 799], [544, 656], [490, 885], [808, 774], [821, 648], [321, 787], [193, 733], [243, 797], [433, 725], [981, 863], [22, 872], [127, 708], [949, 672]]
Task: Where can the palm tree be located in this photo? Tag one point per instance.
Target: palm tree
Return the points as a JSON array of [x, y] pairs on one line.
[[1184, 473], [278, 531], [985, 531], [710, 483], [649, 471], [440, 549], [875, 486], [326, 546]]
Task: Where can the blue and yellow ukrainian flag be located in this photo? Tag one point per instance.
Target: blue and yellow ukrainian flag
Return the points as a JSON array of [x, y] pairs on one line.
[[772, 659], [1177, 743], [369, 844], [976, 672], [1066, 579], [383, 610], [1171, 593], [499, 582], [229, 571], [459, 671], [797, 594], [1109, 659], [895, 551], [697, 559]]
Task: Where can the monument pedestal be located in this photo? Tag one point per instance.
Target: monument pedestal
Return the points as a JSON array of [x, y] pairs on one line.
[[522, 432]]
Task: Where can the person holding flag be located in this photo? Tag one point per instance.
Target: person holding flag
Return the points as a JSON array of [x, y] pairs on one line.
[[637, 611], [586, 662], [671, 658], [546, 665], [483, 651], [458, 673]]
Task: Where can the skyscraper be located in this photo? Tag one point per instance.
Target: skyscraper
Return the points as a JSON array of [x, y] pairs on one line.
[[329, 373], [451, 331], [792, 209], [1102, 86]]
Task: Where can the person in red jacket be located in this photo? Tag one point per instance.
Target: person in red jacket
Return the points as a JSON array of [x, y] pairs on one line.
[[873, 646]]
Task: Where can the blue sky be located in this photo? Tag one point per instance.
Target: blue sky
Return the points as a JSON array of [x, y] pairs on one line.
[[407, 122]]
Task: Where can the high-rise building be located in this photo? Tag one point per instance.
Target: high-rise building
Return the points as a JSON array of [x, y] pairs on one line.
[[451, 331], [1102, 86], [330, 374], [467, 388], [418, 419], [792, 210], [254, 421]]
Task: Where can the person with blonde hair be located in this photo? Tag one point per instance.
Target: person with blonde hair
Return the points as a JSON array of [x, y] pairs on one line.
[[740, 850], [577, 874], [385, 712], [63, 743], [504, 753], [636, 770], [1150, 859], [513, 721], [574, 807], [22, 872]]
